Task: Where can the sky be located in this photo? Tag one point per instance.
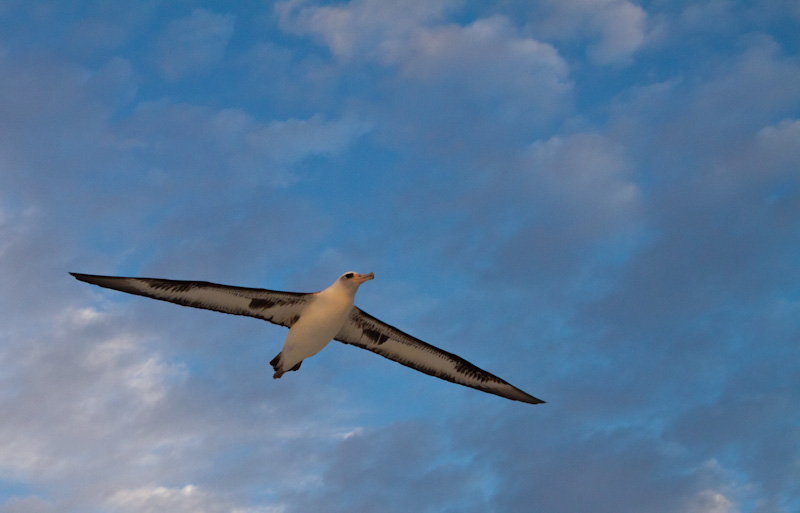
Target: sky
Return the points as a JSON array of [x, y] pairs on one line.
[[598, 201]]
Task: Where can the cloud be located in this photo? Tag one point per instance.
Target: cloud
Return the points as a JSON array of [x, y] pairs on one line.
[[169, 149], [117, 384], [622, 32], [693, 309], [561, 217], [27, 505], [488, 49], [196, 139], [291, 141], [614, 29], [46, 101], [102, 390], [155, 499], [363, 28], [620, 240], [759, 73], [779, 144], [358, 470], [83, 387], [710, 501], [192, 44], [439, 68], [425, 48], [482, 78], [586, 180], [717, 192]]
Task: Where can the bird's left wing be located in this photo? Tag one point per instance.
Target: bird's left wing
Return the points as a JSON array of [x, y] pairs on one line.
[[283, 308], [367, 332]]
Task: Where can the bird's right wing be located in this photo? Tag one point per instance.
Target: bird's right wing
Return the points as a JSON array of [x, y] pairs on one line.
[[283, 308], [367, 332]]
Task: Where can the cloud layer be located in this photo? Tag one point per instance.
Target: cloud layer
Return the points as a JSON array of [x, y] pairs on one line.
[[597, 201]]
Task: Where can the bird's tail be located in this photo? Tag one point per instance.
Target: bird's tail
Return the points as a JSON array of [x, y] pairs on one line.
[[277, 366]]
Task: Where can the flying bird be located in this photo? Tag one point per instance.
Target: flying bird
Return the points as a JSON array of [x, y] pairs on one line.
[[314, 319]]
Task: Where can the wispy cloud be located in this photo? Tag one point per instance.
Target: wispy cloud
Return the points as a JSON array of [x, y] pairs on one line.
[[598, 201]]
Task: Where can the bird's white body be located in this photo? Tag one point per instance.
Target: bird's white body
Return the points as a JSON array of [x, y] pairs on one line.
[[320, 321]]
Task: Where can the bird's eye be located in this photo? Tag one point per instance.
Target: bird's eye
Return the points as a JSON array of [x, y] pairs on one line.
[[349, 276]]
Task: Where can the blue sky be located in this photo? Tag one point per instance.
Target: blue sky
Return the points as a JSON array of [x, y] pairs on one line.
[[599, 201]]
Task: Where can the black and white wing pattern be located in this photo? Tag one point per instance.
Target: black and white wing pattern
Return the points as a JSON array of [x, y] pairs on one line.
[[283, 308], [367, 332]]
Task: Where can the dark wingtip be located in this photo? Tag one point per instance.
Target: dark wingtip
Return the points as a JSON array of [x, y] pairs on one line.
[[531, 400], [518, 395], [88, 278], [110, 282]]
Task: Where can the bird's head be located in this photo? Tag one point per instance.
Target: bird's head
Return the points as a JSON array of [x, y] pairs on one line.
[[352, 280]]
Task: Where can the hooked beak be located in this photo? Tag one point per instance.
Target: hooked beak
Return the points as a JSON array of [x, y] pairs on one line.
[[361, 278]]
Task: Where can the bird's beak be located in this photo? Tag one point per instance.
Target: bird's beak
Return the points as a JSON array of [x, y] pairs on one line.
[[361, 278]]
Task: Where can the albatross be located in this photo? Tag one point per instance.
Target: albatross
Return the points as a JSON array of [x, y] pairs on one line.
[[314, 319]]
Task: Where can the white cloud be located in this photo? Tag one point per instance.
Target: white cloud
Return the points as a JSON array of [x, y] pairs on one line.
[[145, 378], [87, 393], [83, 386], [710, 501], [456, 92], [158, 499], [621, 26], [586, 177], [613, 30], [780, 145], [361, 29], [486, 60], [487, 52], [194, 43], [115, 402], [290, 141]]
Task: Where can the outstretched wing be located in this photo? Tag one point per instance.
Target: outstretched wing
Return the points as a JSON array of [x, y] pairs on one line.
[[367, 332], [283, 308]]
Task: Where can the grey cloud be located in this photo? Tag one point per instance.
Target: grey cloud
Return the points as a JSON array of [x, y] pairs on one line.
[[641, 271], [617, 28], [585, 211], [720, 208], [192, 139], [47, 101], [106, 157], [392, 469], [136, 410], [95, 392], [691, 307], [27, 505]]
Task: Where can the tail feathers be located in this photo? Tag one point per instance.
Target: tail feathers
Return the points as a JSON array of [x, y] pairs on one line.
[[277, 366]]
